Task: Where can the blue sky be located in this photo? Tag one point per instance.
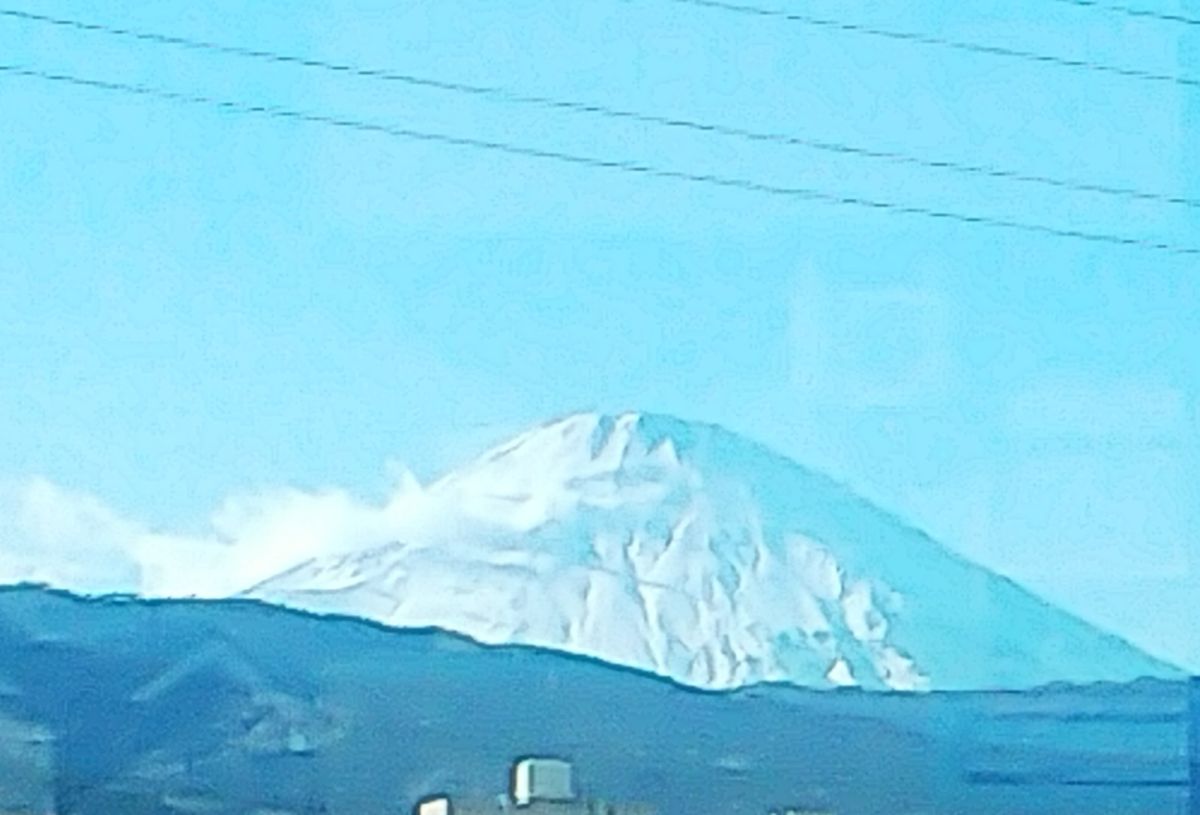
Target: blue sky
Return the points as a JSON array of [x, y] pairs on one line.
[[196, 304]]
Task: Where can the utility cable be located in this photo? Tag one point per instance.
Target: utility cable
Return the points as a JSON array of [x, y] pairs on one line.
[[621, 165], [1131, 11], [968, 46], [586, 108]]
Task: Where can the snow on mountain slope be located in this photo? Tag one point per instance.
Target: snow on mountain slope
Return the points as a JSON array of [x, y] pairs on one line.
[[685, 550]]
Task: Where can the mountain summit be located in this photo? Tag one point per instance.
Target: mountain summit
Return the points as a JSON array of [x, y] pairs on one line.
[[685, 550]]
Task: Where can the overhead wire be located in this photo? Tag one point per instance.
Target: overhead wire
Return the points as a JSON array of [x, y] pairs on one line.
[[597, 162], [1132, 11], [588, 108], [969, 46]]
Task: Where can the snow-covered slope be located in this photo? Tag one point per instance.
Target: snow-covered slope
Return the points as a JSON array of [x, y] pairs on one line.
[[683, 549]]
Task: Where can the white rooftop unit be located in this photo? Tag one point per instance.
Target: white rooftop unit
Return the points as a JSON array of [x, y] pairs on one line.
[[435, 806], [541, 779]]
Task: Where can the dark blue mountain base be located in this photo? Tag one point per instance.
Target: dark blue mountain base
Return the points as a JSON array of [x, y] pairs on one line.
[[139, 708]]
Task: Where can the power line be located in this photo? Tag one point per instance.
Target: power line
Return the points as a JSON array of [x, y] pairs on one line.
[[945, 42], [605, 111], [620, 165], [1131, 11]]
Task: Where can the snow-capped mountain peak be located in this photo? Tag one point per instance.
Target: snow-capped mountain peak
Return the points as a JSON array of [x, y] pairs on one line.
[[682, 549]]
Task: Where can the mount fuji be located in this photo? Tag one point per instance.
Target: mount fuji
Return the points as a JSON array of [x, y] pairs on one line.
[[687, 551]]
